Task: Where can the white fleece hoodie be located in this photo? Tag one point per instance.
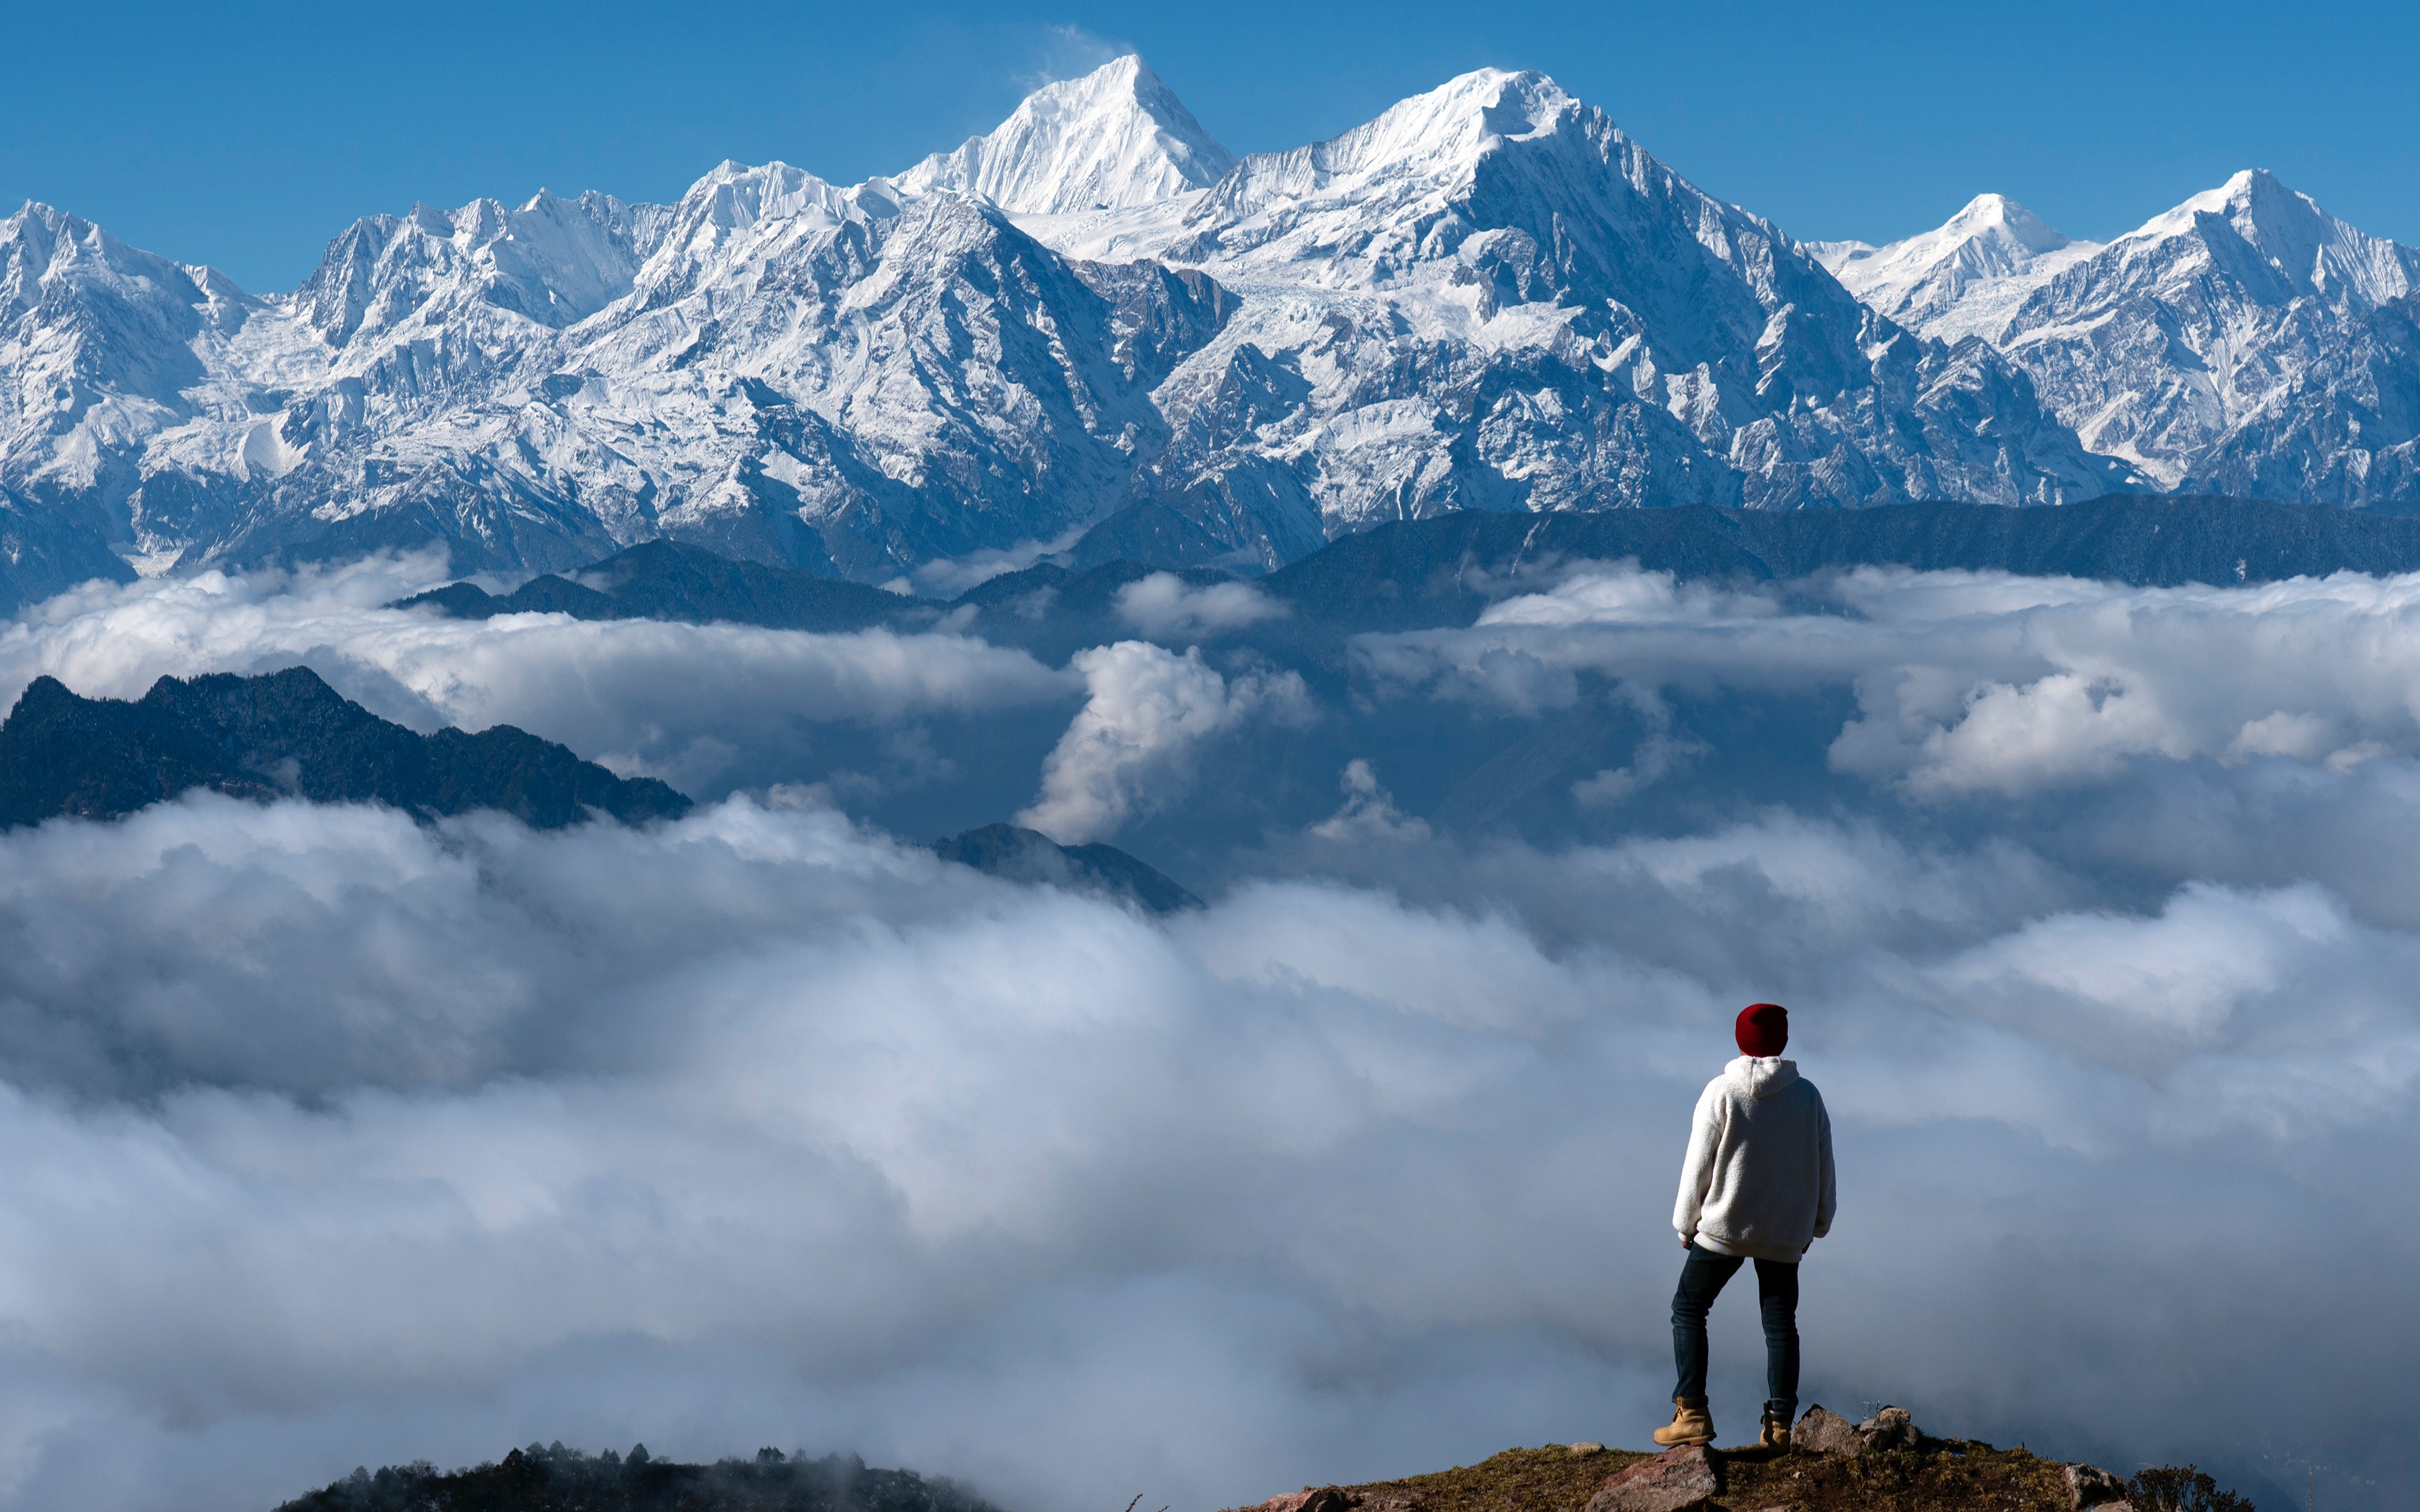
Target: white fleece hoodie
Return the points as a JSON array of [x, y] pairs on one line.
[[1758, 1180]]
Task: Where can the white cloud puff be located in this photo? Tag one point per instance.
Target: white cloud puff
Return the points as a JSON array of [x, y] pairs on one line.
[[1146, 713], [1368, 813], [1164, 604]]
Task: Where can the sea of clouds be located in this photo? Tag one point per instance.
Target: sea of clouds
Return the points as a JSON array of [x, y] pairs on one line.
[[337, 1139]]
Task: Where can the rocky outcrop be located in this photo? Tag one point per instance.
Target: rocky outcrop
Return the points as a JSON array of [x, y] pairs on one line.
[[1834, 1466], [1337, 1499], [2089, 1486], [1821, 1431], [1890, 1428]]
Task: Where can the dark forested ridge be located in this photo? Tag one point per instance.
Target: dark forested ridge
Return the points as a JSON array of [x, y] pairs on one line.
[[287, 734], [1429, 573], [550, 1478], [1441, 571]]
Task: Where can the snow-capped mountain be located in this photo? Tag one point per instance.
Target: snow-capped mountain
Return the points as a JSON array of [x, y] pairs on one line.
[[2244, 343], [1488, 297], [1964, 279]]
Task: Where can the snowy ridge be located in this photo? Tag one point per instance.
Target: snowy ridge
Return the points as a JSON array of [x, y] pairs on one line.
[[2245, 342], [1488, 297], [2311, 251]]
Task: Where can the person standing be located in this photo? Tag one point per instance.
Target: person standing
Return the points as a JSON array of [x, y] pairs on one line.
[[1757, 1184]]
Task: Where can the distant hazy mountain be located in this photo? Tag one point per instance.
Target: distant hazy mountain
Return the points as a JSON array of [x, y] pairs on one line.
[[2244, 343], [1028, 855], [666, 580]]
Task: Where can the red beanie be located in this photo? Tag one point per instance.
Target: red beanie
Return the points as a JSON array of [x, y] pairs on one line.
[[1763, 1029]]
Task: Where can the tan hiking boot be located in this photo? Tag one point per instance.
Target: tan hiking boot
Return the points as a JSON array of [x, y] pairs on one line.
[[1691, 1423], [1775, 1434]]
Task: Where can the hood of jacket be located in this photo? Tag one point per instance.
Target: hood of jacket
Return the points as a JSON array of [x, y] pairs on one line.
[[1761, 1076]]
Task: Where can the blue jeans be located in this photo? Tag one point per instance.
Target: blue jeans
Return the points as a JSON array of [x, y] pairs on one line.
[[1776, 1291]]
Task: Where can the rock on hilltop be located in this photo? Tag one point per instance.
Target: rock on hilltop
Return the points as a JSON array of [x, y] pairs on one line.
[[1883, 1465]]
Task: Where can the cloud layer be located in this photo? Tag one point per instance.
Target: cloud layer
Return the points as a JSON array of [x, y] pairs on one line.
[[1977, 683], [337, 1140], [472, 1115]]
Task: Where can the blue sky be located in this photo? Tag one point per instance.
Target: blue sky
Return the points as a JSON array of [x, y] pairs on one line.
[[246, 136]]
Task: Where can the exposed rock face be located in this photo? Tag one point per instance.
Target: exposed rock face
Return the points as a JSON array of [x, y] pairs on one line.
[[1952, 1475], [1673, 1481]]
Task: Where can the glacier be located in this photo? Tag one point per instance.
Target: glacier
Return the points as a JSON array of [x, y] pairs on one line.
[[1094, 329]]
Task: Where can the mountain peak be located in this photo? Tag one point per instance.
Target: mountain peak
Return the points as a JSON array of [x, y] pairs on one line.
[[1116, 138], [1964, 277], [1453, 123], [1361, 188], [1997, 214], [2286, 229]]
